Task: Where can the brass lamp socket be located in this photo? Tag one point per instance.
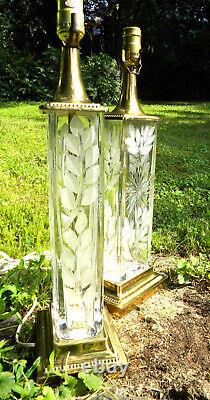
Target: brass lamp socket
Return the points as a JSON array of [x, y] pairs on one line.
[[128, 106], [131, 45], [70, 20]]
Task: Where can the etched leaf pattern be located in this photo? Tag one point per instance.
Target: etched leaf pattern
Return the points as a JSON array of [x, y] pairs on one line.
[[134, 224], [78, 190], [140, 140], [110, 254], [112, 163], [112, 167]]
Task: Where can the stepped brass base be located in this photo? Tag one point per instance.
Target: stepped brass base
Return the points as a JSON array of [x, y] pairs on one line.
[[122, 297], [105, 351]]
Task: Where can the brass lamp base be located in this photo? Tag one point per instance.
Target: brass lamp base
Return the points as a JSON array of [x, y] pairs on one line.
[[122, 297], [104, 351]]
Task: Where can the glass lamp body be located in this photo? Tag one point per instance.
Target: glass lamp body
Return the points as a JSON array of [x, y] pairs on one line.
[[129, 163], [75, 162]]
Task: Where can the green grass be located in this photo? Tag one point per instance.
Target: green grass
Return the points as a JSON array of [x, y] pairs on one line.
[[180, 212], [23, 180]]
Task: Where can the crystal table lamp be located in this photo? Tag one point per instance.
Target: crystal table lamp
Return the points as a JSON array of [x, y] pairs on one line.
[[130, 150], [81, 327]]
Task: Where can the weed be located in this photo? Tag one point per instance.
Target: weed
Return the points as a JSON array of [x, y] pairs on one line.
[[16, 380], [190, 269], [30, 280]]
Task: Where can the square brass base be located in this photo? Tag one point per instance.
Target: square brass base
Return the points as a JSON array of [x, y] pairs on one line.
[[72, 358], [122, 297]]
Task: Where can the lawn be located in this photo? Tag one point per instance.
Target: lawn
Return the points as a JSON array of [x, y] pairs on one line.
[[180, 212]]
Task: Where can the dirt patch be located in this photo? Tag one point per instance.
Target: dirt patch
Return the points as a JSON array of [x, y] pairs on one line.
[[166, 341]]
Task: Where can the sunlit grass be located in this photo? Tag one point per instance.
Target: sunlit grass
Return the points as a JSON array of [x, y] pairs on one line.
[[23, 179], [180, 212]]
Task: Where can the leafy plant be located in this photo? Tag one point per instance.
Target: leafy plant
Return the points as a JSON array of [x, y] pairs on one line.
[[4, 353], [25, 76], [16, 381], [7, 382], [102, 78], [193, 268], [5, 292], [91, 381], [22, 285]]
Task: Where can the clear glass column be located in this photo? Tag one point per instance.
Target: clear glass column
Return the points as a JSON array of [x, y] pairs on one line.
[[130, 150], [75, 162]]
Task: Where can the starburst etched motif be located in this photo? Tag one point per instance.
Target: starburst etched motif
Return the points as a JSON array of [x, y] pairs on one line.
[[139, 145], [137, 193], [129, 196]]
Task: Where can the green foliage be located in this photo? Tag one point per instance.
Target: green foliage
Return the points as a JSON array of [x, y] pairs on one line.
[[176, 39], [7, 382], [102, 78], [193, 268], [93, 382], [26, 77], [22, 285], [27, 24], [14, 375], [16, 381], [6, 292]]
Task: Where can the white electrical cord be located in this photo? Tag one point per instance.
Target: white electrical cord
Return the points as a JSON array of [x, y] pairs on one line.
[[28, 345], [6, 264]]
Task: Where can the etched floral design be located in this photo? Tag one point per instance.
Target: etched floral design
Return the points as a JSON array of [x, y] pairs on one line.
[[141, 147], [109, 237], [112, 167], [112, 162], [140, 140], [129, 197], [78, 189]]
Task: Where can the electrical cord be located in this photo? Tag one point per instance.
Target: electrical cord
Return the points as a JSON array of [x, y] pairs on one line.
[[6, 264], [27, 345]]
